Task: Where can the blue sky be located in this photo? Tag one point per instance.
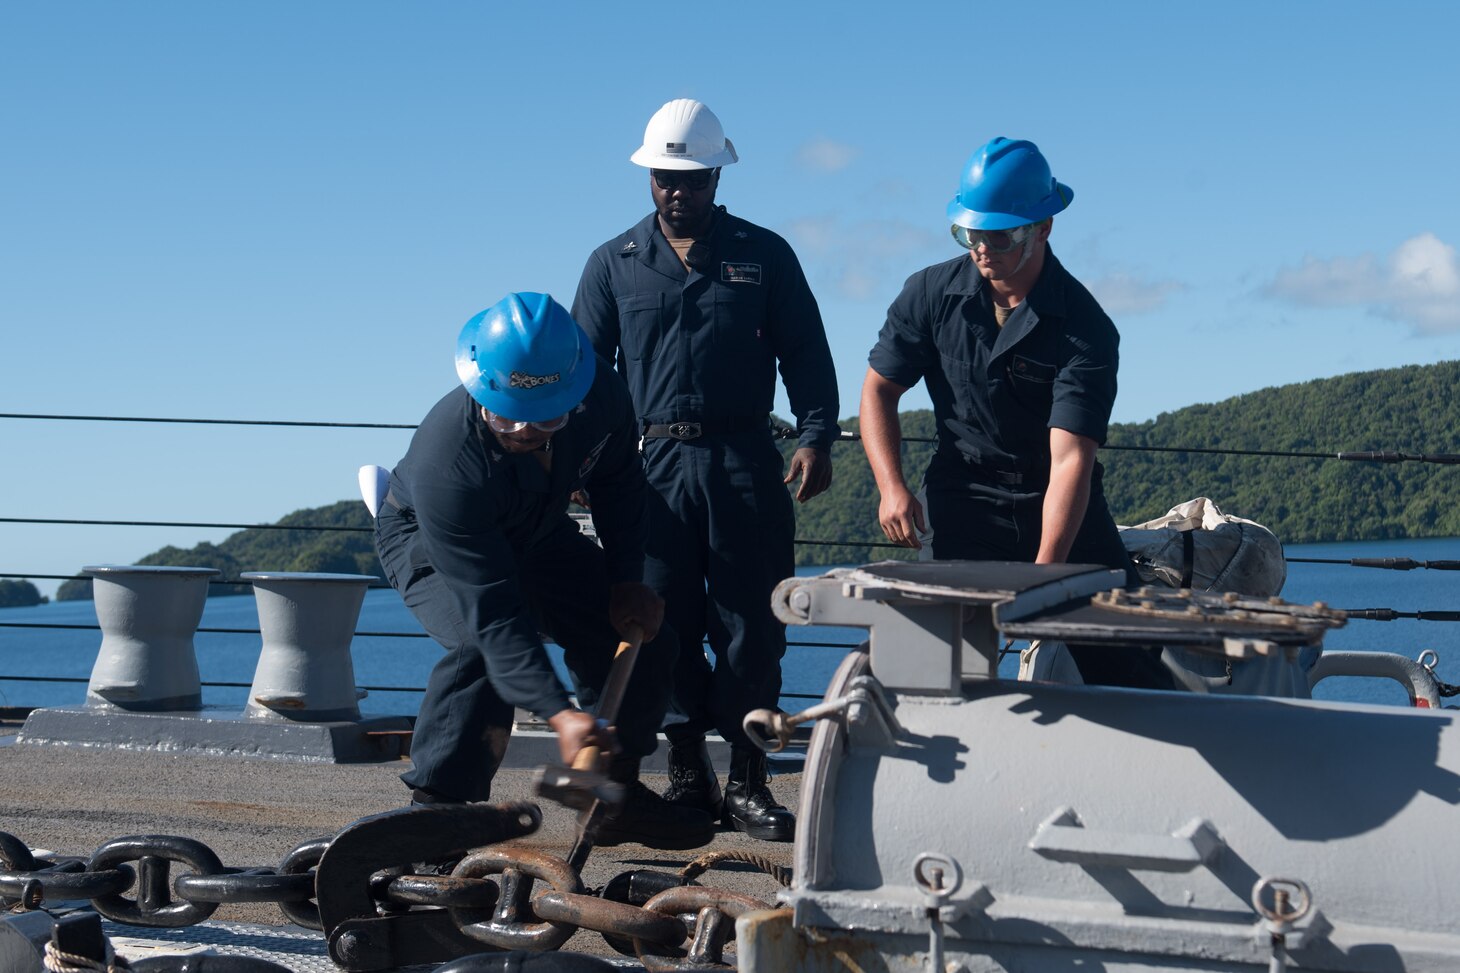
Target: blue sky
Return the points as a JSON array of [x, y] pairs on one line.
[[275, 210]]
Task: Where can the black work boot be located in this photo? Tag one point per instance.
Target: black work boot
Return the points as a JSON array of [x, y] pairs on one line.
[[650, 820], [692, 780], [749, 804]]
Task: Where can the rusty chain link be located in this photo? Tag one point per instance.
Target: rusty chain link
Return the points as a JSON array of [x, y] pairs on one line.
[[715, 913], [514, 924]]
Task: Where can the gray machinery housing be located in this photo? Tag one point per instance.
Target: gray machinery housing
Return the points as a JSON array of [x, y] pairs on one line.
[[951, 820]]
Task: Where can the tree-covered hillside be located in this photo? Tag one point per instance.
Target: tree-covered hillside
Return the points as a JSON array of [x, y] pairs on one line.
[[256, 549], [1413, 410], [19, 594]]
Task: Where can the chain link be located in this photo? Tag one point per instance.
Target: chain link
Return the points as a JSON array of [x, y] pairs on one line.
[[715, 913], [514, 924], [154, 904]]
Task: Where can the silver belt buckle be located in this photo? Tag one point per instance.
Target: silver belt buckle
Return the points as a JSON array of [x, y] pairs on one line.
[[684, 430]]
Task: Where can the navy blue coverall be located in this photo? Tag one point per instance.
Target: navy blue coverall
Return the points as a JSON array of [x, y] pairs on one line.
[[479, 544], [702, 346], [996, 394]]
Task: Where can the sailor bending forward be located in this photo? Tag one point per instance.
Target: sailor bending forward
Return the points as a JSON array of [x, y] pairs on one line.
[[476, 537]]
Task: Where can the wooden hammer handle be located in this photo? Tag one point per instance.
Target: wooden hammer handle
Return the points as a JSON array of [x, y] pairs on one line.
[[614, 688]]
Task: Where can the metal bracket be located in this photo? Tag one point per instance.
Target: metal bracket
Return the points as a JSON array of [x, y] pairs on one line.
[[1062, 837], [865, 707], [359, 938], [932, 624]]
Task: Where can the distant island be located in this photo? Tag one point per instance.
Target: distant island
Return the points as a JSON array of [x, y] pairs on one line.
[[1414, 409], [19, 594]]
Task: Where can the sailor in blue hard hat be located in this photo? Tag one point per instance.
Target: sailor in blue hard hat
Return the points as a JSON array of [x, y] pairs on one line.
[[1004, 207], [475, 535], [1020, 363]]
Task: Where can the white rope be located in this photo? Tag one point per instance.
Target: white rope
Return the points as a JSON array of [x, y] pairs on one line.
[[60, 961]]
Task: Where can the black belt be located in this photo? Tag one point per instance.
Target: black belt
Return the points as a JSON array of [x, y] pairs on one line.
[[685, 429], [989, 474], [1007, 477]]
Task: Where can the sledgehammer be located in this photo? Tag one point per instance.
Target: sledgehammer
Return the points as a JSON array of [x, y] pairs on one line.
[[584, 786]]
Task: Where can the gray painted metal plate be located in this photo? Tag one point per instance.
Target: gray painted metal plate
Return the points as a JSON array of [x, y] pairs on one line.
[[980, 582], [300, 950]]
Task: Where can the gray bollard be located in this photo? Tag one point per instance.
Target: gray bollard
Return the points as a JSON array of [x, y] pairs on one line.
[[148, 615], [305, 672]]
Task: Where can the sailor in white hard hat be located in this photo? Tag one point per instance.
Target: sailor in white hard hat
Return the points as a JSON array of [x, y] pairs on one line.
[[699, 309]]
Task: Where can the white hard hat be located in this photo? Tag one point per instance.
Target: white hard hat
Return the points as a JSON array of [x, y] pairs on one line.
[[684, 134]]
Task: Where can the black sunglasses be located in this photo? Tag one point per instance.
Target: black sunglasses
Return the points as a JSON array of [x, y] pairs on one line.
[[691, 179]]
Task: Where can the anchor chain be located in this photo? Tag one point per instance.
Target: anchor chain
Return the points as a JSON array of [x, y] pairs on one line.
[[499, 896]]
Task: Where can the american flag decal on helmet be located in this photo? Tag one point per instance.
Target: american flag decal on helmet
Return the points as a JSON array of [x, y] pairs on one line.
[[676, 148]]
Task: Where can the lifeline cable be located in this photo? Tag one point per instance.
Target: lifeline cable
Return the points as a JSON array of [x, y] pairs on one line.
[[1388, 563], [218, 422], [786, 432]]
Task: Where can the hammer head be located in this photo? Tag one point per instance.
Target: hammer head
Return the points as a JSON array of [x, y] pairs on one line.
[[578, 789]]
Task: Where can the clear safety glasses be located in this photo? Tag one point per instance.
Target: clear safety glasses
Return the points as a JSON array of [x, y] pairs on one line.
[[694, 180], [505, 426], [995, 241]]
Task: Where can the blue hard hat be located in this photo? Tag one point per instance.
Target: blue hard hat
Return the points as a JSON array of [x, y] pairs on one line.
[[1005, 184], [525, 358]]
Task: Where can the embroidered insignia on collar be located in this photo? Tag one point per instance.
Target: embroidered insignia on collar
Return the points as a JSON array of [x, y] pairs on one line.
[[740, 234]]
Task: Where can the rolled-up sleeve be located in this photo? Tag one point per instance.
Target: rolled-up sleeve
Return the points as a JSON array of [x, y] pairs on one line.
[[905, 350]]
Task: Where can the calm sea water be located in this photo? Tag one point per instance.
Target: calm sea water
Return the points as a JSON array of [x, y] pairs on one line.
[[395, 668]]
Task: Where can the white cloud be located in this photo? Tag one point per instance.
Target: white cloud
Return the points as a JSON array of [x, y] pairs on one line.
[[825, 155], [865, 259], [1418, 284], [1120, 293], [813, 234]]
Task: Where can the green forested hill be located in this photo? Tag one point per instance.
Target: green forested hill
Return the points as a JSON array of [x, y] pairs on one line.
[[19, 594], [341, 552], [1414, 409]]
